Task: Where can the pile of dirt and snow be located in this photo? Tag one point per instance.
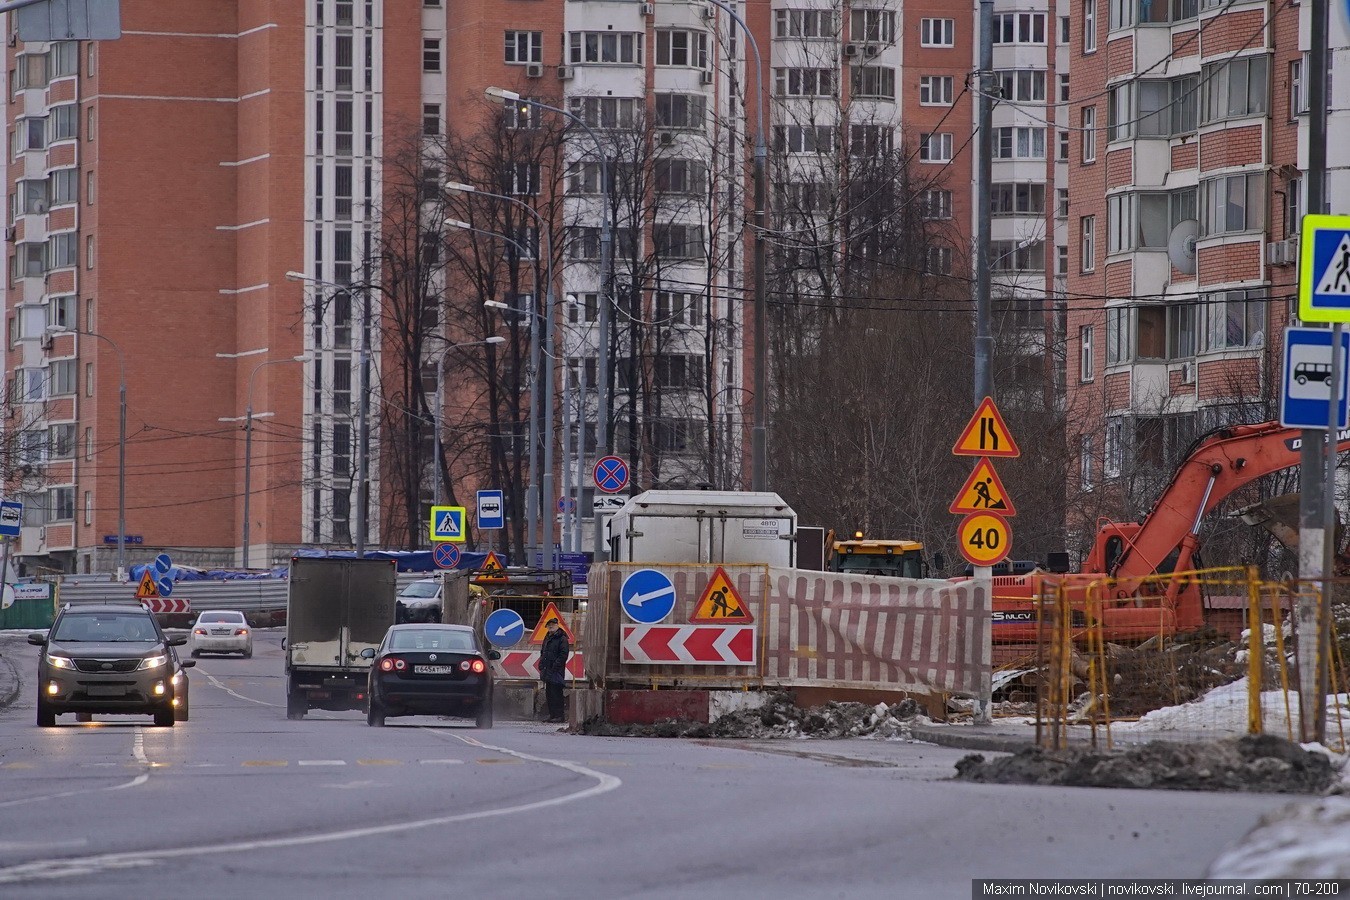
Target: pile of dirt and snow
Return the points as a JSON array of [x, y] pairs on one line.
[[1253, 763], [1223, 710], [1302, 840], [779, 717]]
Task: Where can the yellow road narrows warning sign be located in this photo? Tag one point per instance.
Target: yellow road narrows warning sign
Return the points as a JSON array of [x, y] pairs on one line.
[[986, 434], [720, 602]]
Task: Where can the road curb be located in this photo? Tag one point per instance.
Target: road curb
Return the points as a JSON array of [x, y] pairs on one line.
[[974, 737]]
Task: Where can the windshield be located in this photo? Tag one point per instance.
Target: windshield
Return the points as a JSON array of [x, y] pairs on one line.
[[113, 627], [431, 639], [905, 565], [232, 618], [422, 589]]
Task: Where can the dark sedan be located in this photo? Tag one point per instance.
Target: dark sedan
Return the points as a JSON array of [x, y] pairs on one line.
[[432, 670]]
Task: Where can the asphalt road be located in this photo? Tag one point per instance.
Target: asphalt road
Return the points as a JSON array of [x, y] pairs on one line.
[[241, 802]]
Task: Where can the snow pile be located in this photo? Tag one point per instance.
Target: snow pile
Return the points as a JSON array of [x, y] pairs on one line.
[[779, 717], [1223, 710], [1255, 763], [1303, 840]]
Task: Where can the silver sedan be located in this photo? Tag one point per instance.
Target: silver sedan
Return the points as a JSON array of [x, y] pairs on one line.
[[221, 631]]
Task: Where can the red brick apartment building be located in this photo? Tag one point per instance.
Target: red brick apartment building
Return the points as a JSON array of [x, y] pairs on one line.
[[1190, 131], [162, 185]]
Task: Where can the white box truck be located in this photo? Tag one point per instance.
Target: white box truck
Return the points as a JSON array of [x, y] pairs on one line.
[[704, 527]]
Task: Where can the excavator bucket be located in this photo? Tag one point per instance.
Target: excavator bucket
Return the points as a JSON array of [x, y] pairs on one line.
[[1279, 516]]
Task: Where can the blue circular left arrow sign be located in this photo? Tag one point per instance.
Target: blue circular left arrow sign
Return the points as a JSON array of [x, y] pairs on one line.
[[504, 628], [647, 596]]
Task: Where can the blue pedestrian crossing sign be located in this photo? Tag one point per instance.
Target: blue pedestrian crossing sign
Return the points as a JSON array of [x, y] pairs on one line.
[[447, 523], [504, 628], [1306, 399], [647, 596], [1324, 269]]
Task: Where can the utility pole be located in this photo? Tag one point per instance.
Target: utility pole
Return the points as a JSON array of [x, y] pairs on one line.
[[1317, 472], [363, 426], [984, 338]]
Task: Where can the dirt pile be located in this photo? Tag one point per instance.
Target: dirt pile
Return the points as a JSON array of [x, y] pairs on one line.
[[1253, 763], [780, 718]]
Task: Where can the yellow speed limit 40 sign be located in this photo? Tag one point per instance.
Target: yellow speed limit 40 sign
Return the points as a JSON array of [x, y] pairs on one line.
[[985, 538]]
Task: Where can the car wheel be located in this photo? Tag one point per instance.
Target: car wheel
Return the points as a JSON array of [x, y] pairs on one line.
[[46, 717], [484, 719], [248, 654], [375, 715], [164, 717]]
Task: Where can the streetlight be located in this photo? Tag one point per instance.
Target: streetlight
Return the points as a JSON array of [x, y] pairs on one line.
[[248, 445], [363, 418], [537, 360], [759, 439], [440, 405], [121, 443]]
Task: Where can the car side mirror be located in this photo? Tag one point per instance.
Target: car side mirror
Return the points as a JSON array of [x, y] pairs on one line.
[[177, 640], [368, 653], [38, 639], [493, 654], [188, 664]]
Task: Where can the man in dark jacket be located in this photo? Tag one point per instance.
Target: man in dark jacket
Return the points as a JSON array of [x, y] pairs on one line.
[[553, 668]]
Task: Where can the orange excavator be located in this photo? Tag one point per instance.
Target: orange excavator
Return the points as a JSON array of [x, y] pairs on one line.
[[1120, 575]]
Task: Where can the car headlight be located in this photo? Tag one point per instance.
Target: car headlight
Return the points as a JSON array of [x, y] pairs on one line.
[[60, 662], [153, 662]]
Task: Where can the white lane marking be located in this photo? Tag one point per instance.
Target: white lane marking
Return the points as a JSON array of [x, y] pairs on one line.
[[322, 762], [137, 750], [216, 682], [82, 865]]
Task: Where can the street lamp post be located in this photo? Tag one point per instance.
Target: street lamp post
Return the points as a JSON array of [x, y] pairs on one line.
[[440, 406], [605, 388], [759, 435], [121, 444], [544, 360], [248, 449]]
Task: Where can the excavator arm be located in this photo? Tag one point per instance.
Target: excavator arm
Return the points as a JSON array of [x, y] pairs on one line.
[[1221, 463]]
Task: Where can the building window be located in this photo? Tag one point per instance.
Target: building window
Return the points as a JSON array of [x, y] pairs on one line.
[[1017, 199], [1114, 452], [872, 25], [679, 176], [935, 90], [517, 114], [519, 179], [682, 48], [1122, 13], [678, 241], [61, 504], [935, 148], [89, 188], [804, 138], [1088, 129], [874, 82], [1119, 210], [1293, 207], [1087, 229], [1062, 154], [1085, 462], [88, 508], [431, 119], [65, 186], [62, 312], [937, 204], [62, 249], [679, 308], [1022, 85], [431, 55], [63, 59], [810, 24], [586, 309], [681, 111], [1233, 320], [1119, 113], [61, 377], [1019, 142], [937, 32], [1087, 363], [1064, 29], [618, 48], [524, 47], [796, 82], [1232, 203], [939, 261], [89, 124], [1233, 89], [1062, 259], [1089, 26], [1017, 256], [1061, 203], [89, 252], [61, 441], [607, 112], [1019, 28], [1064, 88]]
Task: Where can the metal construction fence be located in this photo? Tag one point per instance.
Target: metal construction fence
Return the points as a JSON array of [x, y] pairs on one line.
[[807, 629], [1236, 674]]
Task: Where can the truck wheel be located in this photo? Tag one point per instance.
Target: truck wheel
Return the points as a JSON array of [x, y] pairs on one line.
[[46, 718], [484, 719], [164, 717], [375, 715], [296, 706]]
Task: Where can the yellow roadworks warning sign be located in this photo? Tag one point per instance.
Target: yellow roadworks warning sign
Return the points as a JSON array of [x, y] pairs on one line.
[[491, 569], [983, 492], [147, 590], [720, 603], [541, 630]]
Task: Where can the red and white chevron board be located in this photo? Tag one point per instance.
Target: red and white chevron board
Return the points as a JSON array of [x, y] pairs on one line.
[[699, 645], [167, 604], [525, 664]]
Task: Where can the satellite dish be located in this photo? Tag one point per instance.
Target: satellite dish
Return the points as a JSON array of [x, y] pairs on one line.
[[1181, 246]]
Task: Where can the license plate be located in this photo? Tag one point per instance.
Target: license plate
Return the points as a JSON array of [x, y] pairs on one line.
[[113, 691], [433, 670], [225, 631]]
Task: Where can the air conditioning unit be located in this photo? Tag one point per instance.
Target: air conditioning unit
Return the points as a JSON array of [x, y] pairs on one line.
[[1188, 373], [649, 9], [872, 50], [45, 342], [665, 138], [14, 39], [42, 532], [705, 77], [565, 73], [1282, 253], [10, 234], [709, 13], [850, 49], [534, 70]]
